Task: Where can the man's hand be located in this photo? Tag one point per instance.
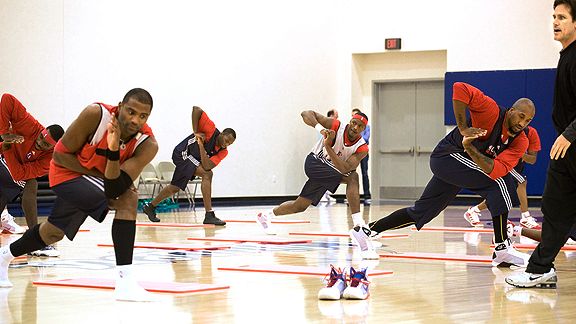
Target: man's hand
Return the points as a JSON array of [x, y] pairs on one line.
[[473, 132], [329, 136], [13, 138], [200, 136], [559, 148], [113, 137], [467, 141]]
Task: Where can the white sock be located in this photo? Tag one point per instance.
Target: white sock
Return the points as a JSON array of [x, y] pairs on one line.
[[124, 271], [525, 214], [358, 220], [5, 254], [475, 209]]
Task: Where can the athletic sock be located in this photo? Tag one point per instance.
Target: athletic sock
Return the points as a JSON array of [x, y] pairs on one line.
[[358, 220], [396, 220], [500, 232], [123, 236], [29, 242], [526, 214]]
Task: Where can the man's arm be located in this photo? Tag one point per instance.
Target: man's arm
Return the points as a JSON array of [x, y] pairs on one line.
[[196, 115], [28, 170], [205, 161], [530, 157], [312, 118], [76, 137], [460, 115], [343, 166], [485, 163]]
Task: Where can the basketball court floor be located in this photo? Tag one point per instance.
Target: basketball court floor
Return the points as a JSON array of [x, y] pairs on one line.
[[235, 277]]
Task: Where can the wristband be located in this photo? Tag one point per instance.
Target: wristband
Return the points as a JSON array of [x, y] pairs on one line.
[[110, 155], [319, 127]]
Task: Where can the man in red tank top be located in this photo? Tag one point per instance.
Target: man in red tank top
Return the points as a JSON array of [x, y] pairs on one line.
[[93, 168]]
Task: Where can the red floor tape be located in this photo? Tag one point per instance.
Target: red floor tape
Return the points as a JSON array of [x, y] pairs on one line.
[[438, 256], [301, 270], [102, 283], [172, 246]]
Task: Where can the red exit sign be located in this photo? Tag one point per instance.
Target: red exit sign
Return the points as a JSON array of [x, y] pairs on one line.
[[393, 43]]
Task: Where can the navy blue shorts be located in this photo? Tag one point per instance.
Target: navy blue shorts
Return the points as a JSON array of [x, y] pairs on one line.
[[185, 169], [518, 173], [9, 189], [77, 199], [321, 178], [454, 172]]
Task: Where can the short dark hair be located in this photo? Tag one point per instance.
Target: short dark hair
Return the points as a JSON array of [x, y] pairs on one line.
[[331, 112], [56, 131], [571, 4], [141, 95], [363, 115], [356, 110], [230, 131]]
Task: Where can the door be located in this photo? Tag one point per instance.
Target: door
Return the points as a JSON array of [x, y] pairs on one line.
[[410, 119]]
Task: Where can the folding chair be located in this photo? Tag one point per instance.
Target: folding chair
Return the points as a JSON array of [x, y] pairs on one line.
[[166, 170], [148, 177]]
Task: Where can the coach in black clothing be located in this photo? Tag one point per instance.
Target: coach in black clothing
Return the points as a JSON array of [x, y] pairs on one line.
[[559, 197]]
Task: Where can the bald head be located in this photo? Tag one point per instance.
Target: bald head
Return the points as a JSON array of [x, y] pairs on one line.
[[520, 115], [525, 105]]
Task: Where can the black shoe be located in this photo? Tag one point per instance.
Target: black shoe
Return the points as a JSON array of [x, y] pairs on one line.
[[150, 211], [210, 218]]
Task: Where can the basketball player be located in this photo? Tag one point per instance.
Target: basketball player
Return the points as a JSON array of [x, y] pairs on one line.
[[333, 160], [27, 148], [93, 169], [477, 155], [196, 156]]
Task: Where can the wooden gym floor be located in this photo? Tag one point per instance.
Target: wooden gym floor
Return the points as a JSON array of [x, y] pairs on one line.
[[419, 291]]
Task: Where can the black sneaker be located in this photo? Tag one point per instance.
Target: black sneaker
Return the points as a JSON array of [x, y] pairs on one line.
[[210, 218], [150, 211]]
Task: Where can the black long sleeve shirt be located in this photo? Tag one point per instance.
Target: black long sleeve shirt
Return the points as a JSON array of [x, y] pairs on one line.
[[564, 104]]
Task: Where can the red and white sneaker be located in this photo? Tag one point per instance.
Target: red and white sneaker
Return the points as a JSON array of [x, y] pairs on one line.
[[335, 285], [9, 226], [265, 220], [358, 288], [530, 222], [473, 217]]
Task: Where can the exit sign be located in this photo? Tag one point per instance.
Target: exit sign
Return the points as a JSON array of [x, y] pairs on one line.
[[393, 43]]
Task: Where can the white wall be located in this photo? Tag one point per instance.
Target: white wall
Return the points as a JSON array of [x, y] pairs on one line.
[[252, 65]]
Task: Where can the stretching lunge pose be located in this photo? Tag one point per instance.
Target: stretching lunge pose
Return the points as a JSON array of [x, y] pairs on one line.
[[196, 156], [333, 160], [477, 155], [93, 169]]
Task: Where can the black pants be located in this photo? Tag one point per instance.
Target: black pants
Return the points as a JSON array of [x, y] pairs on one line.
[[559, 209], [365, 180]]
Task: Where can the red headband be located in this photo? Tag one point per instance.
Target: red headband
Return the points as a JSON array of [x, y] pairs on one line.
[[361, 118], [47, 137]]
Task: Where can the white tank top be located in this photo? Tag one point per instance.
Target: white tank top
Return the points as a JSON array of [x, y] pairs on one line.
[[341, 149]]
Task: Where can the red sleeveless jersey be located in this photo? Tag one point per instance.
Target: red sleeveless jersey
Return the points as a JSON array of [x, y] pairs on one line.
[[87, 155]]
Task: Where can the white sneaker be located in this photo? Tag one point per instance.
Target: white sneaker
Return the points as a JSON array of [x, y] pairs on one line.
[[335, 285], [358, 288], [570, 241], [473, 217], [5, 258], [127, 289], [361, 235], [48, 251], [530, 222], [265, 220], [506, 255], [533, 280], [130, 290], [8, 224]]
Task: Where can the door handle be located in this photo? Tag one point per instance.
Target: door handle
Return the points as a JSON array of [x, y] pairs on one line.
[[423, 149], [398, 150]]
